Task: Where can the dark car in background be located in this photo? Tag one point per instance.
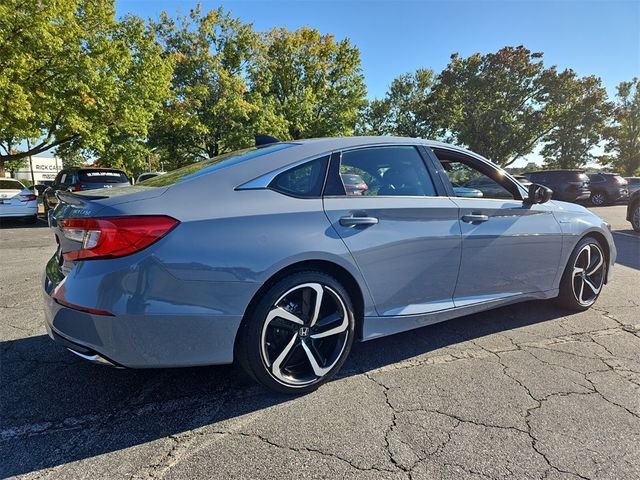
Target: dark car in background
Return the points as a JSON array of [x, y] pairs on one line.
[[607, 188], [633, 184], [80, 179], [567, 185]]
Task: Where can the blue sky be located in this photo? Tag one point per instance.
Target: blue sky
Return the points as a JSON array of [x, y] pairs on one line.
[[593, 37]]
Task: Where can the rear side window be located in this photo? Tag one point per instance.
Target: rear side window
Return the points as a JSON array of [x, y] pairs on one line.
[[304, 181], [102, 176]]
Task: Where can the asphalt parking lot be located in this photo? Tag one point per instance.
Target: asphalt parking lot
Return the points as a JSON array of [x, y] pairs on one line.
[[521, 392]]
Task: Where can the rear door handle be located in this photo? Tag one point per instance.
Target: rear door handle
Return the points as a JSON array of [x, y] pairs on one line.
[[352, 221], [475, 218]]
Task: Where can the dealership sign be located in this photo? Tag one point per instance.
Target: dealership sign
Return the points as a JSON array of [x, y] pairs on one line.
[[44, 168]]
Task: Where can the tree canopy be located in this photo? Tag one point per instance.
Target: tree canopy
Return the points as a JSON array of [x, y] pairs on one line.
[[71, 76], [623, 135], [131, 93]]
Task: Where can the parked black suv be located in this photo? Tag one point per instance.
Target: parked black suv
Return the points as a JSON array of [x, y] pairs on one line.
[[79, 179], [607, 188], [567, 185]]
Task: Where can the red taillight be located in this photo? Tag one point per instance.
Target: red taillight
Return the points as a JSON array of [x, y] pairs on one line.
[[76, 188], [28, 197], [114, 236]]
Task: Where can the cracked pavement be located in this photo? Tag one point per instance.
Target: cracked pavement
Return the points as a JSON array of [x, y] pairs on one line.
[[523, 392]]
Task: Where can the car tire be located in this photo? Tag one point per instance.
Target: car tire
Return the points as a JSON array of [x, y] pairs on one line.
[[635, 216], [583, 276], [598, 199], [32, 219], [291, 345]]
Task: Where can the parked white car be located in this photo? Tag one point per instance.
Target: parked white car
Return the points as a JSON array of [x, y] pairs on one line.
[[17, 201]]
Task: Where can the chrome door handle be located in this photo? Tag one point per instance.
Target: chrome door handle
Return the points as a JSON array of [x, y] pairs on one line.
[[475, 218], [352, 221]]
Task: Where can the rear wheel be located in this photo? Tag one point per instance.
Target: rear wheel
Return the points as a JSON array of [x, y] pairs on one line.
[[584, 275], [299, 334], [598, 198]]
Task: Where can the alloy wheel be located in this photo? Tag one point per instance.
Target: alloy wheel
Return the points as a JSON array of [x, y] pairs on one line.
[[598, 199], [304, 334], [588, 274]]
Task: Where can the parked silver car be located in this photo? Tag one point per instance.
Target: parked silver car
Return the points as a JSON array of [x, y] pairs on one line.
[[260, 256], [17, 201]]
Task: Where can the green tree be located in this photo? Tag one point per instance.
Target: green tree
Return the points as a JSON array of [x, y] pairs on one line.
[[316, 82], [405, 110], [374, 118], [623, 136], [581, 112], [495, 104], [71, 75], [213, 107]]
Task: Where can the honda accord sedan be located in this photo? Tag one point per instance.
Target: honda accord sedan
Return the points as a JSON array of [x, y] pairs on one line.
[[261, 256]]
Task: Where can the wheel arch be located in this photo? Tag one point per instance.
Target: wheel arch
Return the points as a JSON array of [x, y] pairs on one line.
[[337, 271]]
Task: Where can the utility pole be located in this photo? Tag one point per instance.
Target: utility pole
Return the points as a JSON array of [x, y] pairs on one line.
[[33, 178]]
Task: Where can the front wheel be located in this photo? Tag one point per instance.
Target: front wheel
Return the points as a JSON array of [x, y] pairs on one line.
[[299, 334], [584, 276]]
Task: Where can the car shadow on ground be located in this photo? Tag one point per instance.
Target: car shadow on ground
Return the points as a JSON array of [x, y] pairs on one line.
[[57, 409], [20, 223], [628, 246]]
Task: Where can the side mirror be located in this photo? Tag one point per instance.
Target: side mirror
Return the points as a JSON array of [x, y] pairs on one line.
[[538, 194]]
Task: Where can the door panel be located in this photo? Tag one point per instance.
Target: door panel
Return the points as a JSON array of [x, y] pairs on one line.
[[410, 256], [517, 249]]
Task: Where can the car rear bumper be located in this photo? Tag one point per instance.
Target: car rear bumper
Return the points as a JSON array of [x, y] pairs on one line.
[[28, 210], [176, 339]]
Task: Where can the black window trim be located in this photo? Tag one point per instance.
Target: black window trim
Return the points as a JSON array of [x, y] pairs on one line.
[[333, 172]]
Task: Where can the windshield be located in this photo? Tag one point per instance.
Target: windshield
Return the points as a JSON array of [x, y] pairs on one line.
[[212, 164]]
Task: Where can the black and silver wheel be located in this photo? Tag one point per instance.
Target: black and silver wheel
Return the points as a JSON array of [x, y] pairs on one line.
[[584, 275], [299, 334], [598, 199], [635, 216]]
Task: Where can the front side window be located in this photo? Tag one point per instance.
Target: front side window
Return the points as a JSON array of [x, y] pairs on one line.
[[385, 171], [472, 181], [305, 180]]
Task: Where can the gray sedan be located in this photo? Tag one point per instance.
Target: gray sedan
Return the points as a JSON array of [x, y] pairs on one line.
[[264, 257]]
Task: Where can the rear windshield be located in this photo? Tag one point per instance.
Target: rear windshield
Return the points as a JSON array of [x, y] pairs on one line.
[[102, 176], [212, 164], [10, 185]]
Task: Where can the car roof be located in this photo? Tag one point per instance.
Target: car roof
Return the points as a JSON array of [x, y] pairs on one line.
[[559, 170], [334, 143]]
